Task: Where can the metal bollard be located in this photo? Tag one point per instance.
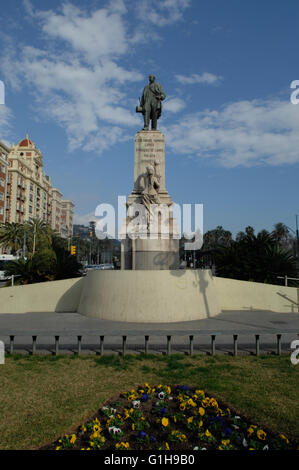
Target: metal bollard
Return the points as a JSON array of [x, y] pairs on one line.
[[146, 338], [56, 345], [278, 344], [34, 344], [235, 345], [102, 345], [11, 343], [213, 344], [124, 346], [79, 345], [257, 345], [191, 337], [168, 345]]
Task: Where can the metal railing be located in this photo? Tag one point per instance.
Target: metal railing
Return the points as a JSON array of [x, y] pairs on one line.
[[286, 278], [213, 335]]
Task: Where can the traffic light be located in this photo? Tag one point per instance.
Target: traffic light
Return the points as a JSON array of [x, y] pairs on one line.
[[73, 250]]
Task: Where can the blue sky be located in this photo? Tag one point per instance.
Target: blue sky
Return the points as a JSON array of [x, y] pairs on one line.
[[73, 72]]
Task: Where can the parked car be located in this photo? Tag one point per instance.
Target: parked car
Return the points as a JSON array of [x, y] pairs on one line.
[[105, 266], [95, 267]]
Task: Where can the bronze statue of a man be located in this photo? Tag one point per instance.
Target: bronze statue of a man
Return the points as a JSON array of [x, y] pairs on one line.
[[150, 104]]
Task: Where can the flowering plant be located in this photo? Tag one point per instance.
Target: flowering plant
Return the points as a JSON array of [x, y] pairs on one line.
[[175, 418]]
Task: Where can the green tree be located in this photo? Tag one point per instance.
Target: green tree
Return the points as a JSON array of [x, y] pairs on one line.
[[11, 236], [217, 237], [256, 258]]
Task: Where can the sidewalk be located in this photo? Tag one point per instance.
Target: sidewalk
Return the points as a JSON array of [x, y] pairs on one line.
[[68, 326]]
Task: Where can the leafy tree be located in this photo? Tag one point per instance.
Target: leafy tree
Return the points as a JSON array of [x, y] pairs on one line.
[[256, 258], [217, 237], [67, 265], [11, 236]]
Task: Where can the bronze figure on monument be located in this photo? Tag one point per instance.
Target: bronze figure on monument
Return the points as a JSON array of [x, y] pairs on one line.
[[151, 103]]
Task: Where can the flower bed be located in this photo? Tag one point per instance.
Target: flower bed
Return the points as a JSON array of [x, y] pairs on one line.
[[170, 418]]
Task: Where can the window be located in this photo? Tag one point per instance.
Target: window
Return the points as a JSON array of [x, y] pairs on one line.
[[1, 210], [1, 182], [30, 209], [3, 168], [1, 196], [31, 186], [30, 198]]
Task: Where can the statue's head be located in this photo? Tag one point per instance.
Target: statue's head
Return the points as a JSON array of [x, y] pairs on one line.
[[152, 78], [150, 170]]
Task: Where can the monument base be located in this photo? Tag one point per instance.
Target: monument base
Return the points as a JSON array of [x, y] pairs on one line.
[[149, 254], [149, 296]]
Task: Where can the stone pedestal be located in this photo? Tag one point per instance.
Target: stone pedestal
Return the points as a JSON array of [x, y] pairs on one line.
[[149, 149], [154, 243]]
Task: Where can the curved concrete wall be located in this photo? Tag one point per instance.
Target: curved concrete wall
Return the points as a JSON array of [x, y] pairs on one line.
[[244, 295], [54, 296], [149, 296]]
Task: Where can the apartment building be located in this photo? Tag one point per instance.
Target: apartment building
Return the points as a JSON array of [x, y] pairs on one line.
[[67, 218], [29, 190], [4, 150]]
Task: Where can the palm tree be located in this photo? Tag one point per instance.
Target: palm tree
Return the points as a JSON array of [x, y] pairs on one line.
[[39, 235], [255, 257], [11, 236]]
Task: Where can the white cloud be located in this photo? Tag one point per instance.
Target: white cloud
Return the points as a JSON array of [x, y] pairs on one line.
[[244, 133], [98, 35], [84, 219], [79, 86], [194, 78], [161, 12], [75, 75], [174, 105]]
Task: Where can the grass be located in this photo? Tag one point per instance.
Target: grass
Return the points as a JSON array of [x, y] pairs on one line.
[[44, 397]]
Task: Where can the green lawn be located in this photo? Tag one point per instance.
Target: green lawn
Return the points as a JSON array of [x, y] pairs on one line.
[[45, 397]]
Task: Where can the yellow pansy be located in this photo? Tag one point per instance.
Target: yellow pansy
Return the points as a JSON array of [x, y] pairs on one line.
[[285, 438], [189, 420], [191, 402], [225, 442], [205, 402], [73, 439], [261, 434], [164, 422], [208, 434], [201, 411]]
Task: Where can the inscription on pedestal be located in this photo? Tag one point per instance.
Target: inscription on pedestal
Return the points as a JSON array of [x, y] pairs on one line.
[[149, 150]]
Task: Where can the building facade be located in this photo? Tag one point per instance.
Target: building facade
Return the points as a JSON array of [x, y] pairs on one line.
[[4, 151], [29, 190]]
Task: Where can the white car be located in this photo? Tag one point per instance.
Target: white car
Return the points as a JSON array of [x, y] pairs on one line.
[[105, 266]]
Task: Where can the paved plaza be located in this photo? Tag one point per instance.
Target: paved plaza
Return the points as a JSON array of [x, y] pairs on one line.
[[68, 326]]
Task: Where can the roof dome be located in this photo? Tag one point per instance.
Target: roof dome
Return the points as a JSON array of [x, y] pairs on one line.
[[25, 142]]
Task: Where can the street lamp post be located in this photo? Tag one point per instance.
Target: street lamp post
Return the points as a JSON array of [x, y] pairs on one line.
[[34, 238], [24, 243], [297, 238]]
